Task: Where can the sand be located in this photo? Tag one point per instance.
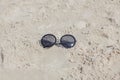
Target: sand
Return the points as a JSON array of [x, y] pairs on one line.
[[94, 23]]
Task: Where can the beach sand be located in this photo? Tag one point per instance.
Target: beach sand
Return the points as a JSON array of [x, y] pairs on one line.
[[94, 23]]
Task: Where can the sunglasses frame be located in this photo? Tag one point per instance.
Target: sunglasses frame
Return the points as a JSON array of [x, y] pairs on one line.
[[42, 41]]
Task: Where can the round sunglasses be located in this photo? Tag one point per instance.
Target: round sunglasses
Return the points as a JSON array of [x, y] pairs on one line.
[[67, 41]]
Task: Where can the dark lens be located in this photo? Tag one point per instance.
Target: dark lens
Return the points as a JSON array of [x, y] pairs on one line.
[[68, 41], [48, 40]]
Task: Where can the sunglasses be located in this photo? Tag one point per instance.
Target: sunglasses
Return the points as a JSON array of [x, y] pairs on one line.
[[67, 41]]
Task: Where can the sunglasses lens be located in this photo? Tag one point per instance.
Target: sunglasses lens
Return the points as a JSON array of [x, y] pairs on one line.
[[48, 40], [68, 41]]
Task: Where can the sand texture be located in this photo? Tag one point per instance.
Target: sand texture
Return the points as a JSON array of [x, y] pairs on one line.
[[94, 23]]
